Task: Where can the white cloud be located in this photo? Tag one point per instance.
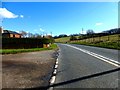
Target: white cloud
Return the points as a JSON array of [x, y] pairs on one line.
[[4, 13], [98, 24], [42, 30], [21, 16]]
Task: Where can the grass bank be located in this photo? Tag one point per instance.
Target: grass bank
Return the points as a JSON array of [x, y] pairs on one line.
[[62, 40], [110, 41], [14, 51], [110, 45]]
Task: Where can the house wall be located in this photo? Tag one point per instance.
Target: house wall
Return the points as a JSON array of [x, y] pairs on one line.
[[1, 30], [11, 35], [17, 36]]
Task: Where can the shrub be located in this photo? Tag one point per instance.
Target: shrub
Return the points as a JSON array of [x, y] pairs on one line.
[[15, 43]]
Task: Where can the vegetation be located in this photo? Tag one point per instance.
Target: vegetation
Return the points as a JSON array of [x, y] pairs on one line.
[[14, 51], [20, 43], [73, 38], [63, 39], [109, 41]]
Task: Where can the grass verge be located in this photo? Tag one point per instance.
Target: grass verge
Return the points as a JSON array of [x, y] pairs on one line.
[[14, 51], [110, 45]]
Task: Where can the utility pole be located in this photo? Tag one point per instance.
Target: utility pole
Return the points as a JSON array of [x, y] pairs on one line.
[[82, 33], [51, 33], [82, 30]]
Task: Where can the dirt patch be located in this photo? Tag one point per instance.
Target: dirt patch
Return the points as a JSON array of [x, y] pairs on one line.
[[27, 70]]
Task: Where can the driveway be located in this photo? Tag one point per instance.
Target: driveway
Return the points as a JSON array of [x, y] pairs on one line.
[[27, 70]]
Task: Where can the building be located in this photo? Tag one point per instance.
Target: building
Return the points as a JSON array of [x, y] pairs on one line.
[[48, 36], [1, 30], [10, 34]]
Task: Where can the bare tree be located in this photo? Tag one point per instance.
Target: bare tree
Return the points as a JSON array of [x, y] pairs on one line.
[[30, 35], [23, 33], [38, 35]]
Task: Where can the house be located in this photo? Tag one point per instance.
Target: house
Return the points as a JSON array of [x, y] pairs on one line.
[[10, 34], [1, 30], [48, 36]]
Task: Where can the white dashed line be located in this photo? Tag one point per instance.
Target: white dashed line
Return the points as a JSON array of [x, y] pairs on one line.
[[56, 66], [56, 63], [55, 71], [52, 80]]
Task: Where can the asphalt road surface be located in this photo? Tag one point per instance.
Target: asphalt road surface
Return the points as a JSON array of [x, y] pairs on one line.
[[76, 61]]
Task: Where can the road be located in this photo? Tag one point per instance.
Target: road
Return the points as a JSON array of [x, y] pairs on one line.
[[77, 61]]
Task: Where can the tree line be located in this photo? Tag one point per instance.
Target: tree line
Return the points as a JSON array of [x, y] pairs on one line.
[[90, 34]]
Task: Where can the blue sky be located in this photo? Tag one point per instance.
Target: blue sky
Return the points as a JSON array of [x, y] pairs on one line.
[[59, 17]]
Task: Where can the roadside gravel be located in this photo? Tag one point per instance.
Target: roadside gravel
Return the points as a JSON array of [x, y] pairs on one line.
[[27, 70]]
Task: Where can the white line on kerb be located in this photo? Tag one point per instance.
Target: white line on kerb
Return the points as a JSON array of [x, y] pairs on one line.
[[110, 61]]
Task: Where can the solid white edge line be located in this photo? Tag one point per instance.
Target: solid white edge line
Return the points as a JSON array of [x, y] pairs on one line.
[[106, 58], [97, 56]]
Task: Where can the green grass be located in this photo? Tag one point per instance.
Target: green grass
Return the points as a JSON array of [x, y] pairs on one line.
[[112, 43], [104, 41], [14, 51], [63, 39]]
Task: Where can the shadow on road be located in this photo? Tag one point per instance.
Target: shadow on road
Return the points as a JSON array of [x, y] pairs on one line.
[[74, 80]]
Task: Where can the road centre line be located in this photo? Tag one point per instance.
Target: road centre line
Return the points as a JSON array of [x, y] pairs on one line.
[[100, 57]]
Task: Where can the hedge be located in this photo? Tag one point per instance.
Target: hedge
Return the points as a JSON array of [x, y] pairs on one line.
[[20, 43]]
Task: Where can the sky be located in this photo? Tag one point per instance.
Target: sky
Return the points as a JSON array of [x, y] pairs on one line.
[[59, 17]]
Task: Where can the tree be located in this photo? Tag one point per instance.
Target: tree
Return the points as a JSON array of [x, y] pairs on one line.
[[72, 38], [38, 35], [62, 35], [30, 35], [23, 33], [90, 32]]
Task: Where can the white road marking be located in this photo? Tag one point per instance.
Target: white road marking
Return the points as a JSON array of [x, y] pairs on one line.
[[56, 62], [55, 71], [110, 61], [56, 66], [57, 59], [52, 80], [51, 88]]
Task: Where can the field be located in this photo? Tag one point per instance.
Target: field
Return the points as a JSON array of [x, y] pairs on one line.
[[110, 41], [62, 40]]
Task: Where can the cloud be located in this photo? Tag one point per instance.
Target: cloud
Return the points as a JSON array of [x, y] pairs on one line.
[[98, 24], [42, 30], [21, 16], [4, 13]]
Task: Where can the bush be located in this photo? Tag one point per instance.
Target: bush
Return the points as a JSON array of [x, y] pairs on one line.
[[72, 38], [15, 43]]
